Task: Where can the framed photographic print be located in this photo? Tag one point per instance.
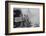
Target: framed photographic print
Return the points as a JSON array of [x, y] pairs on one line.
[[24, 17]]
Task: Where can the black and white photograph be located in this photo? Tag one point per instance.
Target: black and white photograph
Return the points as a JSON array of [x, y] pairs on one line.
[[26, 17]]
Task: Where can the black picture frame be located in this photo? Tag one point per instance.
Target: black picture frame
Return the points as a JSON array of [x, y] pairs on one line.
[[6, 17]]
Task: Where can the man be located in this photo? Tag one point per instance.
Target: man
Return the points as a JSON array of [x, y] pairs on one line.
[[19, 20]]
